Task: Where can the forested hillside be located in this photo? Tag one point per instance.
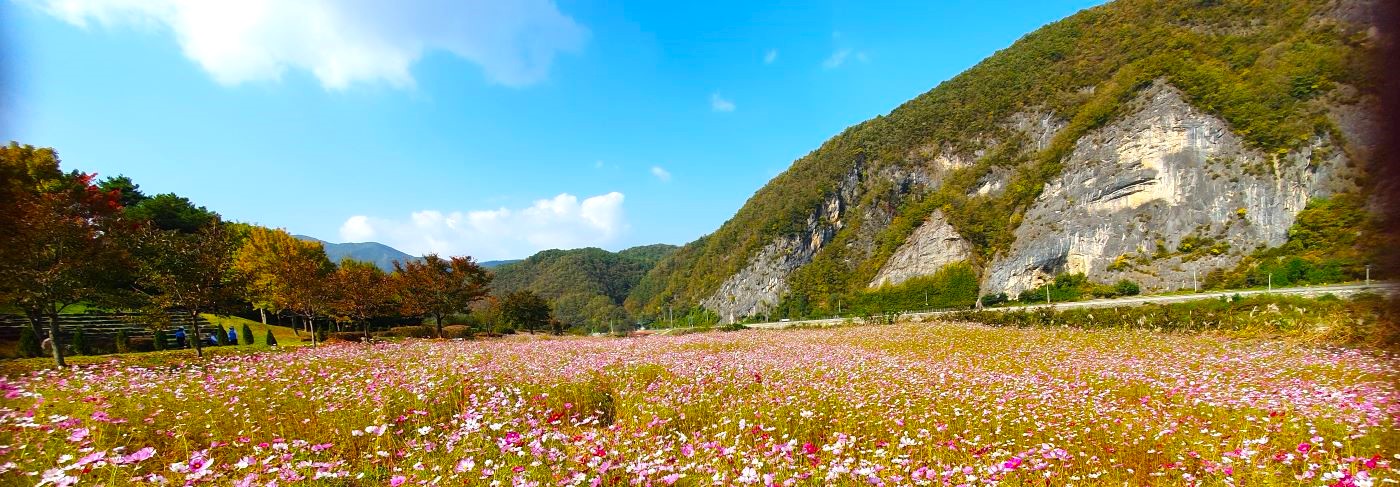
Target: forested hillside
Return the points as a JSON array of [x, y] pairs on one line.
[[582, 285], [1275, 86]]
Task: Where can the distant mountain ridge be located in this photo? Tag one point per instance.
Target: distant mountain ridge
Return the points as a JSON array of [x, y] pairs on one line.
[[382, 256]]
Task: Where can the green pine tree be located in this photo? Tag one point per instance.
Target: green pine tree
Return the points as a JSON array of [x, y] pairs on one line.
[[123, 342], [80, 343], [29, 345], [247, 335], [270, 340]]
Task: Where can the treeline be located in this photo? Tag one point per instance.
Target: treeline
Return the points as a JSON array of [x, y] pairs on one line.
[[69, 240]]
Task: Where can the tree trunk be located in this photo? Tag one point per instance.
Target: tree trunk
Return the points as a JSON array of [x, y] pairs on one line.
[[57, 341], [311, 324], [263, 314], [198, 342], [366, 322], [439, 324]]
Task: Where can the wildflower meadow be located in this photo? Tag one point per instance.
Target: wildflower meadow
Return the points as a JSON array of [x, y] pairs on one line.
[[908, 404]]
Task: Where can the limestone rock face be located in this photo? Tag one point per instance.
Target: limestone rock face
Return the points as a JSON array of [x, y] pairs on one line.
[[1133, 191], [760, 285], [932, 246]]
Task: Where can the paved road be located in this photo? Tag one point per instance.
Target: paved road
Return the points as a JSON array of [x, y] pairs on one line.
[[1337, 289]]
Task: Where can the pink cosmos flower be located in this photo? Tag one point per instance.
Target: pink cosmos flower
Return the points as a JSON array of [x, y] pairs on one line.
[[397, 480]]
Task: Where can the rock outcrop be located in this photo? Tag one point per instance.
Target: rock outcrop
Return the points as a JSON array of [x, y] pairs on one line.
[[932, 246], [1165, 174]]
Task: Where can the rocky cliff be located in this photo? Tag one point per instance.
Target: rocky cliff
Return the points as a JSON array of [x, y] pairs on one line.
[[1164, 175]]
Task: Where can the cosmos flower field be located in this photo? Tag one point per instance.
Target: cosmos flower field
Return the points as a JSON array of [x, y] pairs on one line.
[[911, 404]]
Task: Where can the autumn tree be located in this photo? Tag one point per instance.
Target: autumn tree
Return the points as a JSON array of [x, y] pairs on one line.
[[525, 309], [190, 271], [281, 272], [57, 237], [361, 292], [436, 287]]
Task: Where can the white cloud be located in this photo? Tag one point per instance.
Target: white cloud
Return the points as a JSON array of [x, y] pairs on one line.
[[343, 42], [837, 58], [357, 229], [560, 222], [770, 56], [719, 104], [660, 173]]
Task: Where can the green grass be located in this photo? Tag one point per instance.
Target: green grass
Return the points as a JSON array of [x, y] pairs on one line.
[[285, 335]]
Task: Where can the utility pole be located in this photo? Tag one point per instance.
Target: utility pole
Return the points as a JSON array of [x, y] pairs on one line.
[[1368, 274], [925, 299], [1047, 294], [1271, 282], [1195, 288]]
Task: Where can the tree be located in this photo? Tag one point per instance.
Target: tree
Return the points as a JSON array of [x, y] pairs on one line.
[[434, 287], [247, 335], [361, 292], [29, 346], [525, 309], [303, 276], [170, 212], [58, 242], [191, 272], [128, 192]]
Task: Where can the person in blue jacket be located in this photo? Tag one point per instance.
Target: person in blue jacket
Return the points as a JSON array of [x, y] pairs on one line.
[[232, 336], [180, 337]]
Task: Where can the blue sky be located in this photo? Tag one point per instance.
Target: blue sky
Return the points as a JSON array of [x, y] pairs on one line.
[[493, 129]]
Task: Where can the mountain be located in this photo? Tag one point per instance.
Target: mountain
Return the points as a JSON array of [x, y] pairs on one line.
[[582, 284], [1154, 141], [376, 253]]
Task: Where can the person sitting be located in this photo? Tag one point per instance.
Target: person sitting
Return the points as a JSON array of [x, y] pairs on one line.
[[232, 336], [180, 337], [213, 339]]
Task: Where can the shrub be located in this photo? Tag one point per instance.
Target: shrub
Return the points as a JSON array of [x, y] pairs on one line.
[[270, 340], [159, 341], [221, 335], [345, 336], [413, 332], [80, 343], [1127, 288], [142, 344], [29, 345], [456, 331], [123, 342], [993, 299], [247, 335]]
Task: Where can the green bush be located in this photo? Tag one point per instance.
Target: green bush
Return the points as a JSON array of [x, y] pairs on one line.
[[270, 340], [80, 343], [123, 342], [456, 331], [160, 342], [220, 335], [1127, 288], [247, 335], [412, 331], [29, 344]]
